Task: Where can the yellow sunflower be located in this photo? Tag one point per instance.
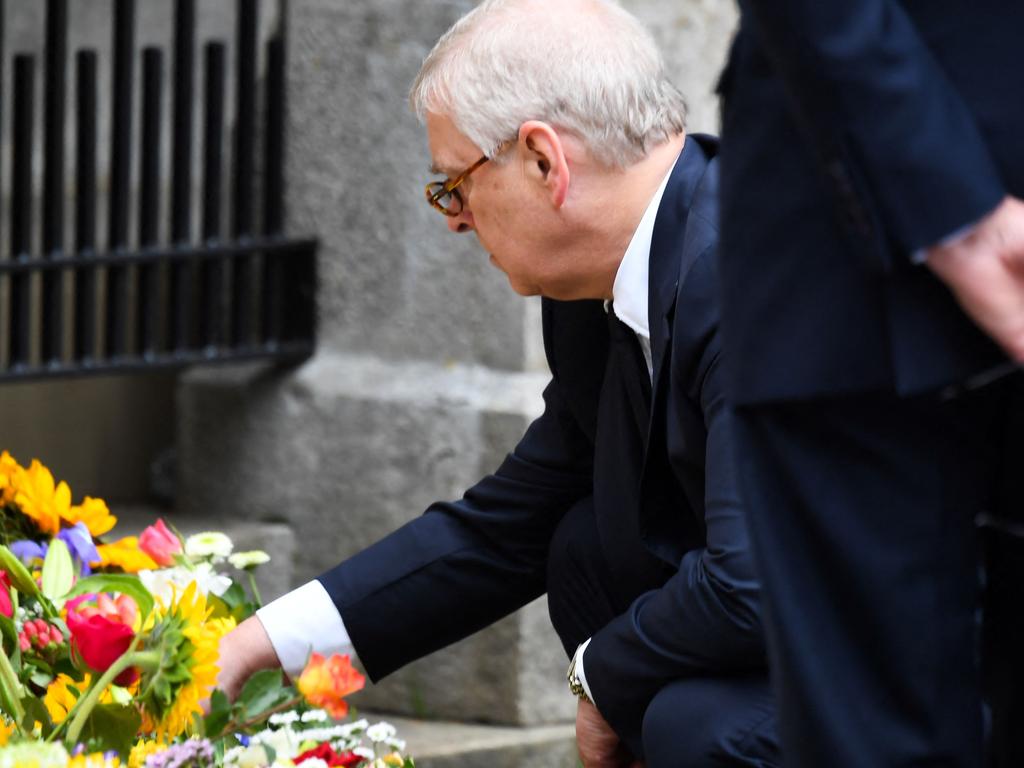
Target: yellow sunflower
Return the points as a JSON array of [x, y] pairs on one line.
[[187, 643], [126, 555], [64, 691], [94, 513], [40, 499], [8, 470]]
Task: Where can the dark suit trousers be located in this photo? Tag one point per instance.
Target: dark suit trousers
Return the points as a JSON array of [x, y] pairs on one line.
[[863, 514], [692, 723]]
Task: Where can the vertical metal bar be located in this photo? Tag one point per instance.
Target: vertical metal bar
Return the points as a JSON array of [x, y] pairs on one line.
[[182, 274], [273, 188], [4, 282], [21, 207], [85, 207], [53, 177], [149, 199], [244, 171], [120, 175], [211, 316]]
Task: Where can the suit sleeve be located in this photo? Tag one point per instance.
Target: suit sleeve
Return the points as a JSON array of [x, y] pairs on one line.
[[706, 618], [882, 112], [465, 564]]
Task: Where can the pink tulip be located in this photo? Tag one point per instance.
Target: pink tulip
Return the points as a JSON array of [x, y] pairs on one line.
[[6, 607], [160, 544]]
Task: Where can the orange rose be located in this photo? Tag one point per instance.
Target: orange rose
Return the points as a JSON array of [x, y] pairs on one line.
[[326, 682]]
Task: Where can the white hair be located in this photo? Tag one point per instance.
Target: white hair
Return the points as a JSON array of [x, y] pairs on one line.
[[584, 66]]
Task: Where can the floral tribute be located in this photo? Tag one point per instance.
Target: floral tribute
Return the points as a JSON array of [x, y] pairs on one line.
[[109, 649]]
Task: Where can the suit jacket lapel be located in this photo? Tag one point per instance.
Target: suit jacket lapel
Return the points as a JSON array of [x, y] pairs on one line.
[[669, 256]]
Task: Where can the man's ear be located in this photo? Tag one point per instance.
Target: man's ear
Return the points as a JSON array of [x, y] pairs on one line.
[[544, 158]]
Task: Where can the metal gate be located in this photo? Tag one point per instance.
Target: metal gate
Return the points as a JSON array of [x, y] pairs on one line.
[[224, 282]]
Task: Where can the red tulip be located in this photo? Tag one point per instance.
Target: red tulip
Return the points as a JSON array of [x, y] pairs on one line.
[[160, 543], [99, 641]]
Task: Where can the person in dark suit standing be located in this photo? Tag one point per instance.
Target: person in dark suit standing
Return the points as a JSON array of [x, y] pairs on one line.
[[873, 307], [562, 143]]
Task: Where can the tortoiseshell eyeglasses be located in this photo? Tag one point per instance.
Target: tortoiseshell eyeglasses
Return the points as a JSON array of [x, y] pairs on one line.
[[445, 196]]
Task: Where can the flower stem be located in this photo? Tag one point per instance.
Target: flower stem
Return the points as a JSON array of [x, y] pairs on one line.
[[234, 727], [84, 706], [11, 690], [255, 591]]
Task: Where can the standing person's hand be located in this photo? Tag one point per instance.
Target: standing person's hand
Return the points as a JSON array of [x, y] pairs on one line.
[[985, 271], [244, 650], [598, 744]]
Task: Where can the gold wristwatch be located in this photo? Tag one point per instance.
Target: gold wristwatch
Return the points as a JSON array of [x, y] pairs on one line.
[[575, 684]]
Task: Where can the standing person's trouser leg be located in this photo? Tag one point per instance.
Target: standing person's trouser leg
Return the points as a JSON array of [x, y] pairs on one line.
[[862, 514]]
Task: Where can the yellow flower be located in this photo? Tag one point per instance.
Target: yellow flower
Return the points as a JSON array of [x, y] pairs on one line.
[[64, 691], [8, 470], [40, 499], [143, 749], [94, 760], [6, 729], [95, 515], [188, 645], [126, 555]]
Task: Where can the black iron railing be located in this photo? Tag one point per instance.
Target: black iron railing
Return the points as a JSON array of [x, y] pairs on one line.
[[240, 289]]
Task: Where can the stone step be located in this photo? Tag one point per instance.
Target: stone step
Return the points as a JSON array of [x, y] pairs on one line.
[[444, 744]]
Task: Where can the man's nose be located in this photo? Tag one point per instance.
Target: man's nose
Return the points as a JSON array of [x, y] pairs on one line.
[[463, 222]]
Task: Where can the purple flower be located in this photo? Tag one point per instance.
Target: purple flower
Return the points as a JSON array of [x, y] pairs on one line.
[[79, 541], [27, 551], [194, 753]]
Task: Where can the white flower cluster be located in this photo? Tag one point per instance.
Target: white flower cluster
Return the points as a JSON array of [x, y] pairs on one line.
[[290, 734], [165, 582]]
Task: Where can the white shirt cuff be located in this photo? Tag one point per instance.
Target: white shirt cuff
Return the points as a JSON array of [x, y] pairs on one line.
[[580, 673], [302, 622]]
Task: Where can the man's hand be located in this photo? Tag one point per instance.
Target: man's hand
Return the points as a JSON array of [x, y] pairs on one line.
[[243, 651], [599, 745], [985, 271]]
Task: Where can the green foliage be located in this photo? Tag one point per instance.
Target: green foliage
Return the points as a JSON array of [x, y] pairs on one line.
[[111, 726], [262, 692], [58, 570], [36, 712], [219, 716], [115, 582], [20, 577]]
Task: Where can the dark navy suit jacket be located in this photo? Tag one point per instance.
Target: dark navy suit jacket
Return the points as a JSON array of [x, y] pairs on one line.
[[464, 564], [855, 133]]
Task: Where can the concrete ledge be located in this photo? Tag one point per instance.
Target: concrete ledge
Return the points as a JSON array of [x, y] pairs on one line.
[[442, 744]]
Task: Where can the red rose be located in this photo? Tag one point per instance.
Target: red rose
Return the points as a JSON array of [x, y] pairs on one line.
[[326, 753], [99, 642]]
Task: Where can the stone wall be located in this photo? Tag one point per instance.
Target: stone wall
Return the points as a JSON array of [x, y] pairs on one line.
[[429, 368]]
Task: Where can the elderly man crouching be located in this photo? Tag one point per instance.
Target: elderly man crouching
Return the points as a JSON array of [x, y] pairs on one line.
[[562, 143]]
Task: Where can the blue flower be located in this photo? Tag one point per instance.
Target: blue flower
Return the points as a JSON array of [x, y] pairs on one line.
[[79, 541], [28, 551]]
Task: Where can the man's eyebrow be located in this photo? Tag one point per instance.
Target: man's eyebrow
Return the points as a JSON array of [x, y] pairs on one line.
[[438, 169]]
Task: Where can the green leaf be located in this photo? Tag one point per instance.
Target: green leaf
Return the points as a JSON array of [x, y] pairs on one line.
[[262, 691], [115, 582], [11, 689], [20, 577], [234, 596], [219, 715], [112, 726], [58, 570], [36, 712]]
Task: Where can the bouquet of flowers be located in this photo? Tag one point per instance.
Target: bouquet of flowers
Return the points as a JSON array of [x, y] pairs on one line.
[[109, 646]]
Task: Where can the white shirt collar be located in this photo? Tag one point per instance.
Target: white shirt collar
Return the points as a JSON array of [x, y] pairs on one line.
[[629, 291]]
